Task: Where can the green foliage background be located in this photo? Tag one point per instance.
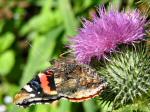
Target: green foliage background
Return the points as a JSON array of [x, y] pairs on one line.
[[32, 32]]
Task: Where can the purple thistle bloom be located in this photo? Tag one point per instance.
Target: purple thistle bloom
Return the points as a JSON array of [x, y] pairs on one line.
[[105, 32]]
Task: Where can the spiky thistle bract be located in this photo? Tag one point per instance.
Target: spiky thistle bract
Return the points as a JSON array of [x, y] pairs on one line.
[[144, 6], [128, 75]]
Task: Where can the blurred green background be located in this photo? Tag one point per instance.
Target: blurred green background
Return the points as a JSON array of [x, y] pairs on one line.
[[32, 32]]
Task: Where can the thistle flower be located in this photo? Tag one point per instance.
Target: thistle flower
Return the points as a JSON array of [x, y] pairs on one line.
[[105, 32]]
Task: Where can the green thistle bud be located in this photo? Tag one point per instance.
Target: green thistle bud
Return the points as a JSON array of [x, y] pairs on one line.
[[128, 74]]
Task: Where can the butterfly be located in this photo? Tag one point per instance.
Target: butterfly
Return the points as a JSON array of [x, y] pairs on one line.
[[66, 78]]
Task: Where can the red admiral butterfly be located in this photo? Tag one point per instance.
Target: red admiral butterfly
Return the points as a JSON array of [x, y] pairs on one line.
[[65, 79]]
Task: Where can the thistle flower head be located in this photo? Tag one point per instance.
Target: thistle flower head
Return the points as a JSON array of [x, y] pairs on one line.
[[105, 32]]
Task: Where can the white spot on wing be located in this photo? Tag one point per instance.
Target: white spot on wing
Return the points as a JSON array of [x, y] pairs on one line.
[[32, 95], [41, 74], [35, 99], [27, 88]]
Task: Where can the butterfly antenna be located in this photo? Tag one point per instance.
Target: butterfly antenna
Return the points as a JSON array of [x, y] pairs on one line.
[[66, 52], [37, 52]]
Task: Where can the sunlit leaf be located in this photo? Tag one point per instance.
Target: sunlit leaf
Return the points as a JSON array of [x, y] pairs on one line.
[[45, 21], [14, 108], [65, 106], [115, 4], [42, 108], [89, 106], [68, 16], [6, 41], [7, 61]]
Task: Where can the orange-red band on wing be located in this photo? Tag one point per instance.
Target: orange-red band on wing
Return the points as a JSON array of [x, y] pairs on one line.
[[83, 98], [45, 84]]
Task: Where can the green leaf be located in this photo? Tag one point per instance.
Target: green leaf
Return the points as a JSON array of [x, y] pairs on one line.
[[65, 106], [89, 106], [7, 61], [46, 20], [42, 108], [6, 41], [115, 4], [39, 54], [1, 24], [14, 108], [87, 3], [68, 16], [42, 23], [54, 107]]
